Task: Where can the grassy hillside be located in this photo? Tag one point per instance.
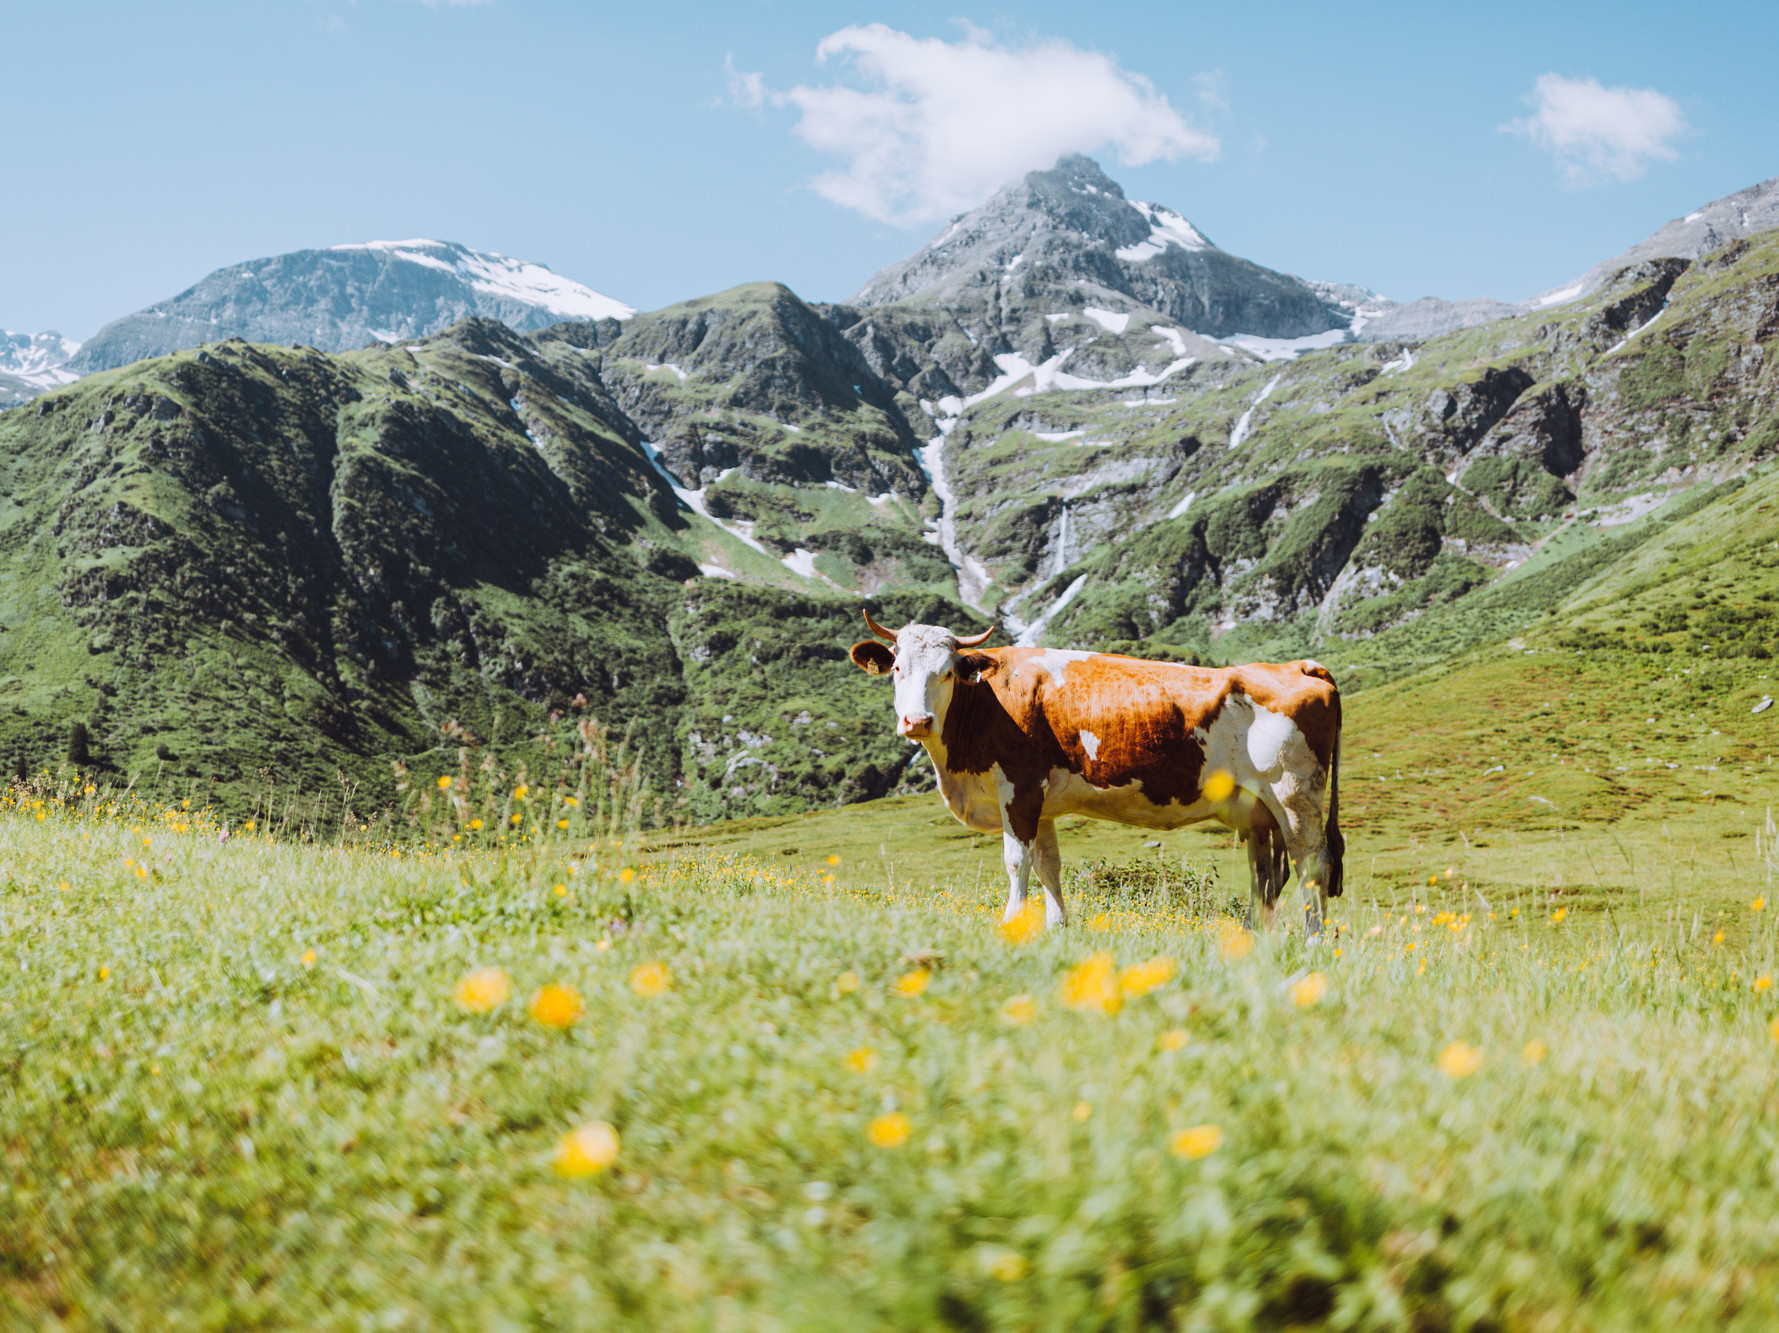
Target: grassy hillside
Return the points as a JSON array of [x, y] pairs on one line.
[[249, 567], [260, 1084]]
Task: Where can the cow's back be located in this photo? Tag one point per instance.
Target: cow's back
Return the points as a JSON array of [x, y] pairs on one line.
[[1116, 721]]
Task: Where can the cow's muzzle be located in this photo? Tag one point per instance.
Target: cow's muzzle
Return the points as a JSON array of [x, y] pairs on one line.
[[916, 726]]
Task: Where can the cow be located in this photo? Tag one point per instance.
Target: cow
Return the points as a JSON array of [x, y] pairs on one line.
[[1022, 736]]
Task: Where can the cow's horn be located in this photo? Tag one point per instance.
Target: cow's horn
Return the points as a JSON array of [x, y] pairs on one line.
[[882, 633], [976, 639]]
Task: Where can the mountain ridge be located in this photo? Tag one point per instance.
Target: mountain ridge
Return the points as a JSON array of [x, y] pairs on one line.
[[243, 554], [345, 296]]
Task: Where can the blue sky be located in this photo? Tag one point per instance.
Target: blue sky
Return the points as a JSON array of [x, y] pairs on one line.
[[657, 152]]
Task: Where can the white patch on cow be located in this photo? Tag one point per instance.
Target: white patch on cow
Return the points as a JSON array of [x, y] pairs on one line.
[[1091, 744], [1269, 755], [1003, 785], [1071, 794], [969, 796], [1056, 661], [1313, 664], [1268, 735]]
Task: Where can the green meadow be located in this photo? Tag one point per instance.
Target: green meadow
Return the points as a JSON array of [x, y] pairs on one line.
[[530, 1068]]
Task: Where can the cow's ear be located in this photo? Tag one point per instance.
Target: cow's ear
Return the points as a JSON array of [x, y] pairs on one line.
[[970, 667], [870, 655]]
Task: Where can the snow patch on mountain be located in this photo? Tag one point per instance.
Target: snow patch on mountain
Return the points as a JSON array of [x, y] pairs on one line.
[[1166, 228], [1557, 296], [1244, 422], [1024, 378], [505, 279], [1284, 349], [1109, 320], [37, 359]]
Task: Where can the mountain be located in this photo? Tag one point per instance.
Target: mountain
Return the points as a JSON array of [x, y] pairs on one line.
[[1065, 239], [31, 363], [251, 557], [1743, 214], [347, 296], [1735, 217]]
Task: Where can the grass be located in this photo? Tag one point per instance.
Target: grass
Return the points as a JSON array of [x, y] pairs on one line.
[[241, 1090]]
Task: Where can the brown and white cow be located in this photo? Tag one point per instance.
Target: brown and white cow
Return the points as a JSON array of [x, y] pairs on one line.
[[1021, 736]]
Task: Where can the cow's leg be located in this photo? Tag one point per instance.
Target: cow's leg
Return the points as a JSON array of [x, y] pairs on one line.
[[1264, 877], [1312, 876], [1019, 857], [1306, 843], [1021, 824], [1049, 867], [1263, 892]]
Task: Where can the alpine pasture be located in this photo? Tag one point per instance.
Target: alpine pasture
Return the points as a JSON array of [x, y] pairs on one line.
[[528, 1067]]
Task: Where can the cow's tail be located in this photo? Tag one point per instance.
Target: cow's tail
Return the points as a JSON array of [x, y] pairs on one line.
[[1337, 845]]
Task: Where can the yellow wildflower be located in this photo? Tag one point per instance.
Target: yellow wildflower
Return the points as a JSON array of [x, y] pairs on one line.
[[484, 989], [889, 1131], [1021, 1009], [1141, 978], [834, 860], [626, 875], [1093, 986], [561, 890], [861, 1061], [847, 982], [1534, 1051], [1306, 992], [521, 792], [651, 979], [556, 1006], [104, 973], [1219, 786], [1460, 1060], [1003, 1265], [1762, 985], [910, 984], [587, 1151], [308, 958], [1758, 903], [1174, 1040], [1559, 914], [475, 824], [562, 823], [1199, 1141], [1025, 927], [444, 782], [1082, 1111], [1234, 943]]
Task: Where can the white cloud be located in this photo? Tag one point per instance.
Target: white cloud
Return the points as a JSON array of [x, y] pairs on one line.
[[747, 91], [1595, 132], [929, 128]]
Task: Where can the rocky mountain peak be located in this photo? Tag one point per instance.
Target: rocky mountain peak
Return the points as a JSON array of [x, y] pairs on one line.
[[1057, 233]]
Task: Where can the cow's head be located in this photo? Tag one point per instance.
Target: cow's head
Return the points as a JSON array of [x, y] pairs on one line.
[[926, 665]]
